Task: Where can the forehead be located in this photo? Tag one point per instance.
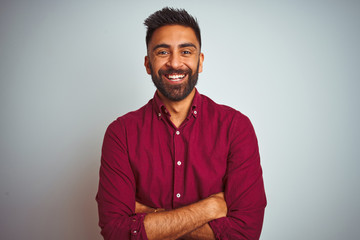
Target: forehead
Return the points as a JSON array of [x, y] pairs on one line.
[[173, 35]]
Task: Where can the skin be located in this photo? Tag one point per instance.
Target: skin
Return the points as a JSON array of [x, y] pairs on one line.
[[176, 48], [189, 222], [203, 233]]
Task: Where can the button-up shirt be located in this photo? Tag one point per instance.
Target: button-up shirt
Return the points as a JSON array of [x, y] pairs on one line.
[[145, 158]]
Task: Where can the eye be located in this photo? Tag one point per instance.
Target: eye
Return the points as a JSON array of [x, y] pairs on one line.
[[162, 52], [186, 52]]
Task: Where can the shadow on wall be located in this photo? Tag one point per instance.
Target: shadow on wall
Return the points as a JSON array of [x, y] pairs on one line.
[[82, 205], [69, 210]]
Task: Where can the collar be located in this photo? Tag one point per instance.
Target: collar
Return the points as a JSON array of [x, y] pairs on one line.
[[161, 110]]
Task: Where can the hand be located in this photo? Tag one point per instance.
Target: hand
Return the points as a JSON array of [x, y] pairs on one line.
[[187, 222], [218, 204]]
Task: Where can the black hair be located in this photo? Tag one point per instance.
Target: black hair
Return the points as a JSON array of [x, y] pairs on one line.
[[170, 16]]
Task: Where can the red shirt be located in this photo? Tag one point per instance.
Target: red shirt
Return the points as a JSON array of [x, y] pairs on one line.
[[145, 158]]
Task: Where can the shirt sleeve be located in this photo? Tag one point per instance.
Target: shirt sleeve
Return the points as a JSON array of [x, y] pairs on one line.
[[244, 187], [117, 188]]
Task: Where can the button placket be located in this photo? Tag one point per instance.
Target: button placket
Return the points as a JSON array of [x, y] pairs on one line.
[[178, 170]]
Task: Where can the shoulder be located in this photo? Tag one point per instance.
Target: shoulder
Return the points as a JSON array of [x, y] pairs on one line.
[[222, 111], [237, 125], [132, 118]]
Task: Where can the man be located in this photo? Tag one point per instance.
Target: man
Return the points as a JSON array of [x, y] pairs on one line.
[[182, 166]]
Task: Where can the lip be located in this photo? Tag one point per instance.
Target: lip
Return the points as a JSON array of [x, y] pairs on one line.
[[175, 78]]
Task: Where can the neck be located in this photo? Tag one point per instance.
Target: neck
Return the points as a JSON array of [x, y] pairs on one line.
[[179, 109]]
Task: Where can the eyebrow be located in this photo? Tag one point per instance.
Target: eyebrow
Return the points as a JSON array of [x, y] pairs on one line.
[[163, 45], [183, 45]]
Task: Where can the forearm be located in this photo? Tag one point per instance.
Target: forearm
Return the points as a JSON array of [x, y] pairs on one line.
[[202, 233], [179, 222]]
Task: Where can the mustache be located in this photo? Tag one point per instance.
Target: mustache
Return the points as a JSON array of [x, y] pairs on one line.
[[175, 71]]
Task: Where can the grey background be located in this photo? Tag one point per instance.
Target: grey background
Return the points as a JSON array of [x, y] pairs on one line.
[[69, 68]]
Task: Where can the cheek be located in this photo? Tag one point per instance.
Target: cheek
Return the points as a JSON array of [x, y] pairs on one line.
[[194, 67], [192, 63], [158, 64]]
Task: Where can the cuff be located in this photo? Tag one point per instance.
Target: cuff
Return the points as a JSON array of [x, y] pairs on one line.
[[220, 227], [137, 229]]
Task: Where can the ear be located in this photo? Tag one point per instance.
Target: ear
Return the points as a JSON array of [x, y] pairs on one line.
[[147, 65], [201, 60]]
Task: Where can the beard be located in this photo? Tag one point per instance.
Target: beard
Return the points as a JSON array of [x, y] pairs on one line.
[[175, 92]]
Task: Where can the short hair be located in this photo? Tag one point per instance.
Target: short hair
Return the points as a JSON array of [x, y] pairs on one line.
[[170, 16]]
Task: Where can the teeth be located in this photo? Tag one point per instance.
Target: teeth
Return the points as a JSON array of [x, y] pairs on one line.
[[176, 77]]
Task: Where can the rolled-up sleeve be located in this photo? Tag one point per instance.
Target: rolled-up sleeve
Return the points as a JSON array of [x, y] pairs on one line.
[[117, 188], [244, 187]]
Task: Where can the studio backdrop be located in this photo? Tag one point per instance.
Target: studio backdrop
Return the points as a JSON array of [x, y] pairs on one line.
[[69, 68]]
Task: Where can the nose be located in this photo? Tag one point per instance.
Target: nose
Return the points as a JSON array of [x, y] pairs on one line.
[[174, 61]]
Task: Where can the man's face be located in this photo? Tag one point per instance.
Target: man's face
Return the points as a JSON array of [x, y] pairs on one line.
[[174, 61]]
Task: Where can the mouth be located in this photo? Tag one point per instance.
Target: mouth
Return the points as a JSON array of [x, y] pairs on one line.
[[175, 77]]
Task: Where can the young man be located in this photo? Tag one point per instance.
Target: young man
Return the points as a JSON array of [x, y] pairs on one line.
[[182, 166]]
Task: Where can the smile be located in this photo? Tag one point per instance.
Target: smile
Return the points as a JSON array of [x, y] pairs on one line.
[[175, 77]]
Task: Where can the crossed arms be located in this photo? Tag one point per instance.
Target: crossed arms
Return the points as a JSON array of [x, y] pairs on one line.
[[189, 222]]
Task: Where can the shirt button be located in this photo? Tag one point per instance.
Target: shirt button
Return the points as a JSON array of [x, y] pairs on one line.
[[179, 163], [195, 112], [159, 114], [177, 132], [134, 232], [178, 195]]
